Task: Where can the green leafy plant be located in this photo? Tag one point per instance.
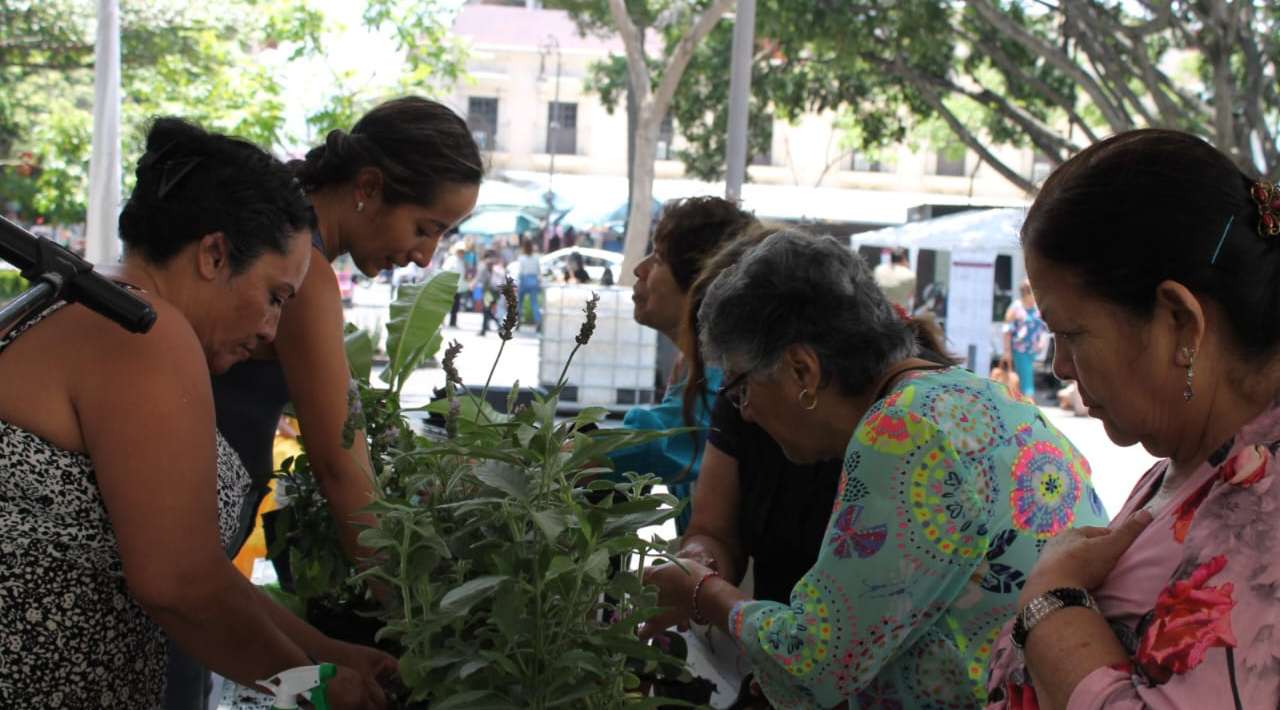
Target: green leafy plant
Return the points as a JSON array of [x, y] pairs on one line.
[[503, 542]]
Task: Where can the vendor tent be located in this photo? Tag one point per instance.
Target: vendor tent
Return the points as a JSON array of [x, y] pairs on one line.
[[995, 230], [972, 242]]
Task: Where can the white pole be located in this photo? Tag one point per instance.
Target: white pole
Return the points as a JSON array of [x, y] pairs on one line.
[[744, 31], [102, 244]]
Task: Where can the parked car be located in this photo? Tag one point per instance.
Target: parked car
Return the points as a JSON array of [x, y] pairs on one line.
[[595, 261]]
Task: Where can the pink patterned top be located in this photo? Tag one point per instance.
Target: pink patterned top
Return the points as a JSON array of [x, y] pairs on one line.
[[1195, 601]]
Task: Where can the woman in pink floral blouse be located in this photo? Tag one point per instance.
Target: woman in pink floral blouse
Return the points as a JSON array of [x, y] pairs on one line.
[[1156, 262]]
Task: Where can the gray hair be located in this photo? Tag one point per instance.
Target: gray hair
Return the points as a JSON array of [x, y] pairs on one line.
[[797, 289]]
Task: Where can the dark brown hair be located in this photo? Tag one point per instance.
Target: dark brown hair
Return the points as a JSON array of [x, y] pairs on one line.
[[692, 229], [417, 144], [191, 183], [1151, 205]]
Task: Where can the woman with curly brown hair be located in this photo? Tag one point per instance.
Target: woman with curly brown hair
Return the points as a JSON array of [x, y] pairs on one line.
[[688, 232]]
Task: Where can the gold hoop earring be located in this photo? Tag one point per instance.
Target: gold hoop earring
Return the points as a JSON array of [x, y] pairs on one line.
[[812, 405], [1190, 355]]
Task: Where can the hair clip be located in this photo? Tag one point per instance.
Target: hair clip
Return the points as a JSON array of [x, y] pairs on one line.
[[1268, 198], [151, 158], [173, 173]]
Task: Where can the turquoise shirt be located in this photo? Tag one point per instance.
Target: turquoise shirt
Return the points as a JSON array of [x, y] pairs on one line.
[[670, 457], [951, 484]]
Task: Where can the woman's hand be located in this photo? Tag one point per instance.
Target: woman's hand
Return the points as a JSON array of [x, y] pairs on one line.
[[675, 582], [350, 689], [370, 663], [1082, 557]]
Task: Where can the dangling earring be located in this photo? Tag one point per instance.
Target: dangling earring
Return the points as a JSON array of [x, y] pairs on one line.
[[810, 406], [359, 206], [1190, 355]]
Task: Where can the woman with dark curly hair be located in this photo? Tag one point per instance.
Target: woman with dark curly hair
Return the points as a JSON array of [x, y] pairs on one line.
[[688, 232], [117, 496]]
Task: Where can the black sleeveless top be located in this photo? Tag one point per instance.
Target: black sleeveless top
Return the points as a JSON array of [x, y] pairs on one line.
[[784, 507], [249, 399]]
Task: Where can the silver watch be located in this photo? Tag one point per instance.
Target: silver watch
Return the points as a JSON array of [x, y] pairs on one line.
[[1038, 608]]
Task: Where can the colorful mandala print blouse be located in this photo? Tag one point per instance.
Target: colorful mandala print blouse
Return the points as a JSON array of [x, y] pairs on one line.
[[1195, 600], [950, 487]]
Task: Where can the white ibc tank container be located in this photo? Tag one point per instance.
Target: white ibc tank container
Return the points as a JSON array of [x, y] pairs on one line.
[[617, 368]]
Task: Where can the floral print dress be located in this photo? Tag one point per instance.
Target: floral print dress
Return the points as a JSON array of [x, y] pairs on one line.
[[951, 485], [1195, 600], [71, 633]]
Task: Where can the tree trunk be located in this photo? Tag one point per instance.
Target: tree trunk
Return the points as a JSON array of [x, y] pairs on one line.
[[640, 215]]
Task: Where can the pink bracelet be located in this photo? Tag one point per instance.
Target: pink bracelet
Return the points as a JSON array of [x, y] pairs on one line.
[[695, 615]]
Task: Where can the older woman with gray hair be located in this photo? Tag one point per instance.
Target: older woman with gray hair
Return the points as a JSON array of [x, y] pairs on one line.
[[950, 485]]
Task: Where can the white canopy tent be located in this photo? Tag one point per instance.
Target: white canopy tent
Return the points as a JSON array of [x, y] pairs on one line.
[[972, 241], [976, 229]]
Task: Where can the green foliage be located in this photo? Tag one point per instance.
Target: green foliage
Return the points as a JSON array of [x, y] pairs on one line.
[[413, 332], [999, 73], [493, 544], [220, 64], [11, 284]]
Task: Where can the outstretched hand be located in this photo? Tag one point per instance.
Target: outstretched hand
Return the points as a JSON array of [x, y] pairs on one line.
[[675, 582], [1083, 557]]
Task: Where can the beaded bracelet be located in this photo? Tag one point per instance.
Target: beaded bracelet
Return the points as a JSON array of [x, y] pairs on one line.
[[695, 615]]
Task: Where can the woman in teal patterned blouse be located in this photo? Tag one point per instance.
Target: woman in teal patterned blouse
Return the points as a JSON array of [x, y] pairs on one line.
[[951, 485]]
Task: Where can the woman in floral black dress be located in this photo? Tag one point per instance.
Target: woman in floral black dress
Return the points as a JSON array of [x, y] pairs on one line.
[[114, 506]]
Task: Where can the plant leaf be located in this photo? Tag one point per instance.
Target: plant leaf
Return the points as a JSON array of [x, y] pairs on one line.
[[415, 319], [505, 477], [550, 522], [360, 354], [460, 599]]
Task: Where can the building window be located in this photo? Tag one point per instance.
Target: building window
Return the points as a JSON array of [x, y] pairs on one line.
[[860, 162], [950, 162], [666, 136], [765, 156], [482, 119], [562, 128]]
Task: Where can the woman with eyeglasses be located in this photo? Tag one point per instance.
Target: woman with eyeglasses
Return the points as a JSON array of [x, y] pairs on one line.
[[950, 485]]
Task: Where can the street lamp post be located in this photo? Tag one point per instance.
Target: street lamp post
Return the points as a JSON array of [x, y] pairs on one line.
[[553, 116], [739, 91]]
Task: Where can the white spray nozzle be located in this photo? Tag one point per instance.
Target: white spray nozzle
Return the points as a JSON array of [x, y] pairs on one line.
[[304, 681]]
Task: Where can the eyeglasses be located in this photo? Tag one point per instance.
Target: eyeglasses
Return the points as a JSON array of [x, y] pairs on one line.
[[736, 391]]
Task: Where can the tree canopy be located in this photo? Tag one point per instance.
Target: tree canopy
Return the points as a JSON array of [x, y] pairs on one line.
[[219, 64], [1052, 75]]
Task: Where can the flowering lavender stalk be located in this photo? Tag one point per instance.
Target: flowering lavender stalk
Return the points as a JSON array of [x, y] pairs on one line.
[[452, 379], [584, 334], [451, 376], [589, 325], [512, 319]]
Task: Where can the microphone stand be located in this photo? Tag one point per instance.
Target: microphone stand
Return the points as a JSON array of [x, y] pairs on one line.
[[54, 273]]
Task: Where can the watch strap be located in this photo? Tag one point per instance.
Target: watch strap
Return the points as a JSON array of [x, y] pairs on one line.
[[1045, 604]]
